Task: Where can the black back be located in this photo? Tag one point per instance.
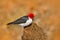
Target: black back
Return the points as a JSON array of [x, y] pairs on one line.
[[20, 20]]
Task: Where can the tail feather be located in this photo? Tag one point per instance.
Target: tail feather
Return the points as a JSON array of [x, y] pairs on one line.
[[10, 23]]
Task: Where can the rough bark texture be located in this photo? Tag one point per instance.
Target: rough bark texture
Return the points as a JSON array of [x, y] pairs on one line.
[[34, 32]]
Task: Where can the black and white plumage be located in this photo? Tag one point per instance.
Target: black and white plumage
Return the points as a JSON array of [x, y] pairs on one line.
[[24, 21]]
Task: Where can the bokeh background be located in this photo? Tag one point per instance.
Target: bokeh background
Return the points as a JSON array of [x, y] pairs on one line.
[[47, 18]]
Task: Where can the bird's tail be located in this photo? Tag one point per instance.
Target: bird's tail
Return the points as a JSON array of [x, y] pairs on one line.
[[10, 23]]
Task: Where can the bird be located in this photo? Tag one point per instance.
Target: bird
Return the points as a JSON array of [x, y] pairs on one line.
[[24, 21]]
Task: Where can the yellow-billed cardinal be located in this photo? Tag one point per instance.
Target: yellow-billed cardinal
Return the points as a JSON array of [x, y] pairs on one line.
[[24, 21]]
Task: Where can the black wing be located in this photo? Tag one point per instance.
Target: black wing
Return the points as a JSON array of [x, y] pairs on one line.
[[20, 20]]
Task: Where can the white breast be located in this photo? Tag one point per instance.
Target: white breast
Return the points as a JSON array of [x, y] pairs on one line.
[[28, 22]]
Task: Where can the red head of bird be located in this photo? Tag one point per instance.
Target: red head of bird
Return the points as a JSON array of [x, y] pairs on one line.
[[31, 15]]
